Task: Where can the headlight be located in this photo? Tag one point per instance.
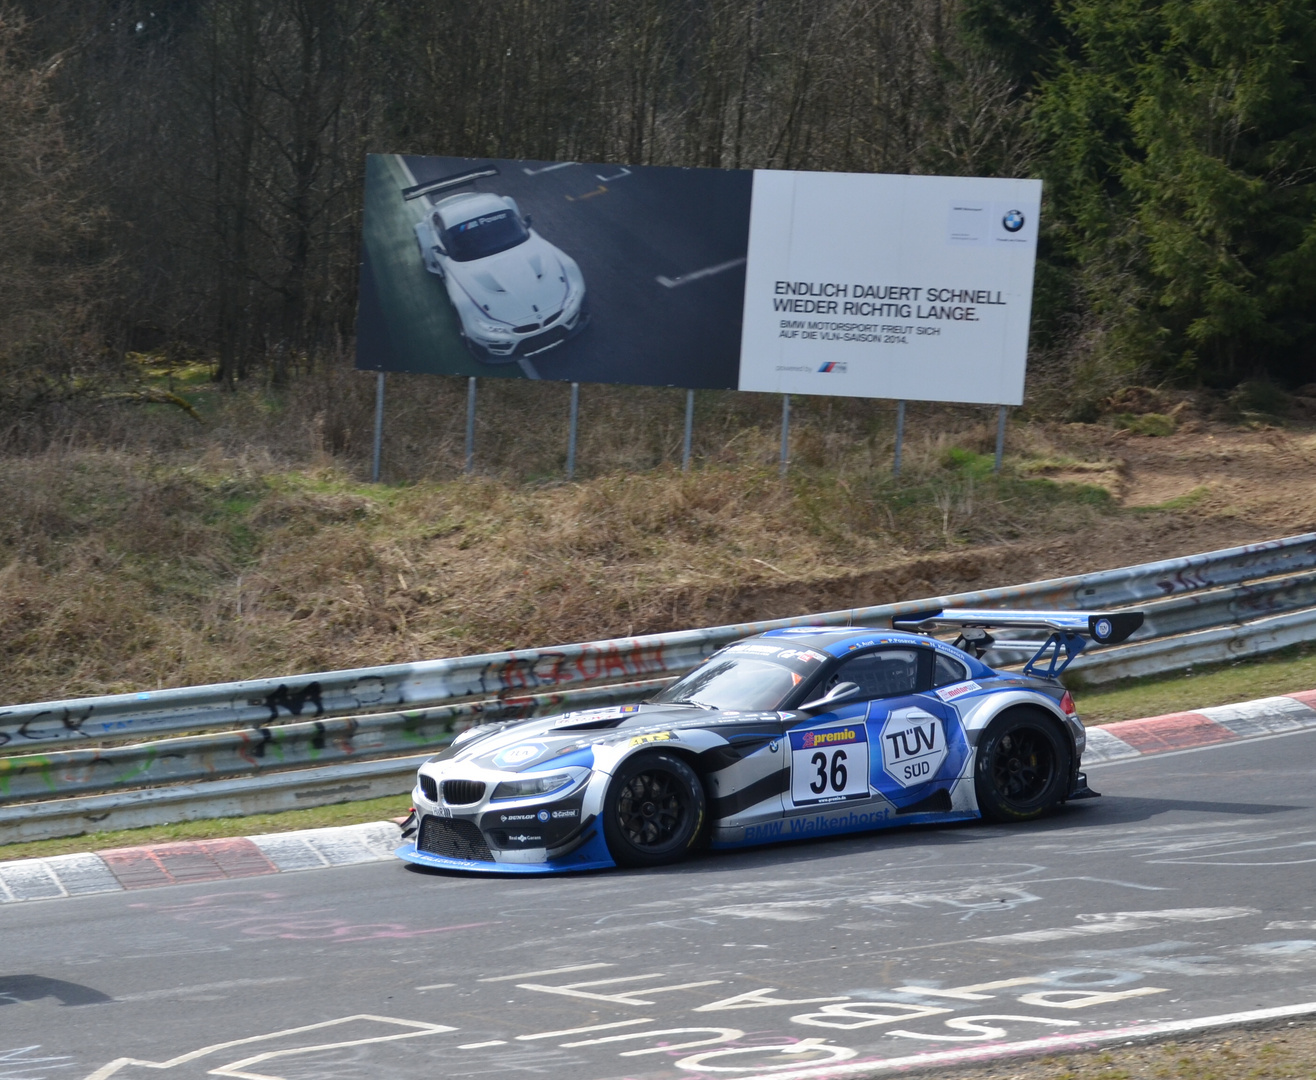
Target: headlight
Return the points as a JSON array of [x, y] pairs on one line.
[[492, 328], [534, 785]]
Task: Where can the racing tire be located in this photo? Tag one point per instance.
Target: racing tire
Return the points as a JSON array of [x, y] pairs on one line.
[[653, 812], [1023, 766]]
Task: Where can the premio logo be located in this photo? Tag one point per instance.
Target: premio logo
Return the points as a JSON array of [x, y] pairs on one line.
[[833, 367], [1013, 220], [827, 738]]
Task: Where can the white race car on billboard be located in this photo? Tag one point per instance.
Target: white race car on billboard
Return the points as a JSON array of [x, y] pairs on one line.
[[515, 293]]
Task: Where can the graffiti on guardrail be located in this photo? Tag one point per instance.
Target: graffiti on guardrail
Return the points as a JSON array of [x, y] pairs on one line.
[[293, 700]]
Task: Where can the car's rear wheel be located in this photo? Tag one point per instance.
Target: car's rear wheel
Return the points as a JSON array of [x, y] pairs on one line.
[[1022, 767], [653, 811]]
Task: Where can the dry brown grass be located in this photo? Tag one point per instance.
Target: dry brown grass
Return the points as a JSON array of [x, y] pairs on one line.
[[140, 549]]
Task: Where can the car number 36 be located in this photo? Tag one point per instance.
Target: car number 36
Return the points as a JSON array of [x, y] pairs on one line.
[[835, 777], [829, 763]]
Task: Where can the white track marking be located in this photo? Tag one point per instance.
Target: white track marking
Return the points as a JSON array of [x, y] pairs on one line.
[[583, 1030], [481, 1046], [968, 993], [983, 1031], [626, 997], [695, 275], [719, 1035], [418, 1028], [1048, 1044], [1081, 999], [1120, 922], [547, 168], [436, 986], [607, 179], [757, 999], [546, 971]]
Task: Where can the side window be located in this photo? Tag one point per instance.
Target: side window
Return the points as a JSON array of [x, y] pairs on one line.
[[883, 673], [948, 670]]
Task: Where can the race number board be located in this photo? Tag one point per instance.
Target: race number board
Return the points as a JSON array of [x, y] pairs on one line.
[[829, 764]]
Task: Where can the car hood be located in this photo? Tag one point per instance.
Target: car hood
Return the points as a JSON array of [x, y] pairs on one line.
[[521, 285], [533, 745]]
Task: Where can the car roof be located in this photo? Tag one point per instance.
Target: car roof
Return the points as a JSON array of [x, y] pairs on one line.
[[839, 640], [463, 207]]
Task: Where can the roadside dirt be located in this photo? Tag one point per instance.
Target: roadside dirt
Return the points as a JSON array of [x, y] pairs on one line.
[[1284, 1052], [1208, 486]]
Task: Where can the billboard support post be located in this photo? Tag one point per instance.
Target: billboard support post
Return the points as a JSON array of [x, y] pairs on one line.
[[571, 435], [900, 436], [785, 431], [469, 467], [379, 428], [1000, 437], [689, 429]]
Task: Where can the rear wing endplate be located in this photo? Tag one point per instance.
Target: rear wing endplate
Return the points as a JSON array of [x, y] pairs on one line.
[[1071, 632]]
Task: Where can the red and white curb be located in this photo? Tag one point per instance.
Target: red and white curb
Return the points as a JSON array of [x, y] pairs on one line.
[[1205, 727], [184, 862], [1070, 1042]]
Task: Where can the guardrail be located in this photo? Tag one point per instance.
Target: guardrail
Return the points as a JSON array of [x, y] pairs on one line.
[[275, 743]]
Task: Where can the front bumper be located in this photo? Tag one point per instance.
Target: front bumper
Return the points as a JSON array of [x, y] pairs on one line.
[[507, 349], [592, 855]]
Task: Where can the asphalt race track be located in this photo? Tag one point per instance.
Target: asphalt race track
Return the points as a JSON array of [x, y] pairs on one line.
[[1185, 892]]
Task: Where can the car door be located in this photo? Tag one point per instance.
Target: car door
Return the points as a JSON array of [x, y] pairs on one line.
[[832, 755], [918, 744]]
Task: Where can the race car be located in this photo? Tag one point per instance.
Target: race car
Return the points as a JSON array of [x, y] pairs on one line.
[[515, 294], [797, 733]]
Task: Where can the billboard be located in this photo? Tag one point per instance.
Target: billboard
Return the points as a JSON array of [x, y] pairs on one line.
[[908, 287]]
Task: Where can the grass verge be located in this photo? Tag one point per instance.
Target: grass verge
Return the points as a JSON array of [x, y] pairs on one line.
[[318, 817], [1285, 1052], [1284, 672]]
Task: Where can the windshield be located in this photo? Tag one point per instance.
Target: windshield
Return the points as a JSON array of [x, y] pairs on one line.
[[749, 675], [485, 235]]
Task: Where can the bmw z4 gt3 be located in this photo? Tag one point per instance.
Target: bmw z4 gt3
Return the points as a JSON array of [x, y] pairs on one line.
[[515, 293], [797, 733]]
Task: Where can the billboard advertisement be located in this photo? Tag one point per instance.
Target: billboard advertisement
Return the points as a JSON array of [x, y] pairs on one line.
[[910, 287]]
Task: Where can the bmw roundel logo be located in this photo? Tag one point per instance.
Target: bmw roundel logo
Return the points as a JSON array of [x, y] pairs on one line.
[[1013, 220], [542, 815], [1102, 628]]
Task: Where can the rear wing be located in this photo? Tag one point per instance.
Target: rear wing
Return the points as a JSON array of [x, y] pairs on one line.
[[443, 183], [1071, 632]]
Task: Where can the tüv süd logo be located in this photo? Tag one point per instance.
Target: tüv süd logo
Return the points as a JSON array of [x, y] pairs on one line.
[[1013, 220]]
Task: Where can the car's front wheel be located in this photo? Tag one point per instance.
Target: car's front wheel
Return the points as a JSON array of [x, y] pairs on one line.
[[1023, 765], [653, 811]]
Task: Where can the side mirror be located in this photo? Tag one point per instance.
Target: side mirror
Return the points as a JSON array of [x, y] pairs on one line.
[[840, 692], [527, 219]]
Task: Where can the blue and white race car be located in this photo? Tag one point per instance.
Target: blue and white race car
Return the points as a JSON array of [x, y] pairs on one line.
[[802, 732]]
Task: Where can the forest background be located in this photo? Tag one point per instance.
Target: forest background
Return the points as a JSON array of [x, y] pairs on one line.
[[184, 441], [184, 177]]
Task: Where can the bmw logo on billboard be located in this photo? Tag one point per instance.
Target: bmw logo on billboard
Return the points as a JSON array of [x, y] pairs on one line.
[[1013, 220]]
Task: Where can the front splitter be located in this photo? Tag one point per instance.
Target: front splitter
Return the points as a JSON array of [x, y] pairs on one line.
[[409, 853]]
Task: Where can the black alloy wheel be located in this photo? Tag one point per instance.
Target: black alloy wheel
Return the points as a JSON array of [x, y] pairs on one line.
[[653, 812], [1022, 767]]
